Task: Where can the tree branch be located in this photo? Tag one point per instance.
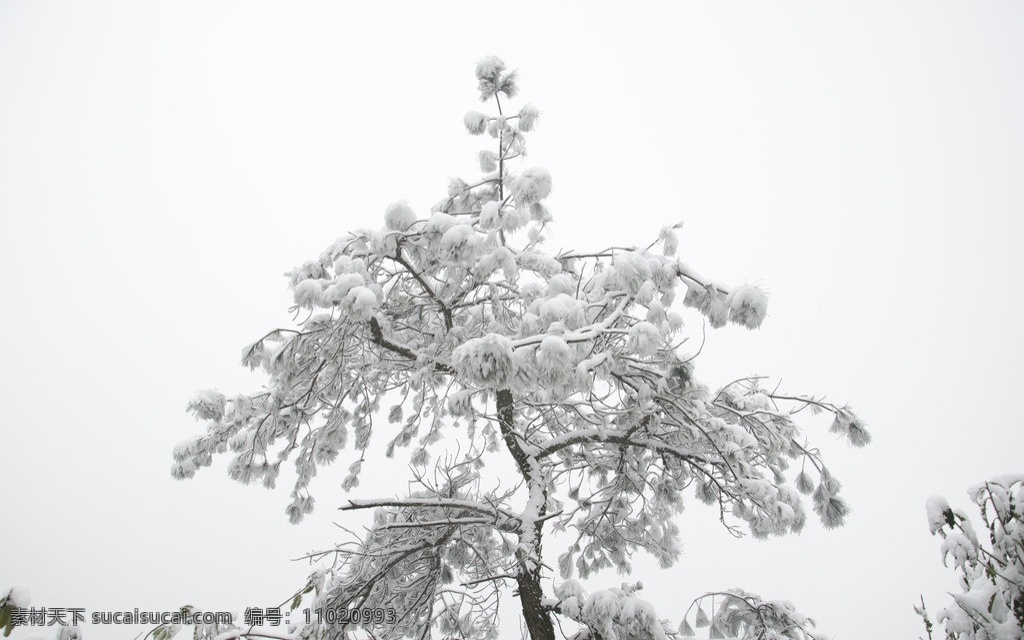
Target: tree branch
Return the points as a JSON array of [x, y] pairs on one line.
[[557, 443], [445, 310], [501, 519], [506, 424], [377, 337], [437, 523]]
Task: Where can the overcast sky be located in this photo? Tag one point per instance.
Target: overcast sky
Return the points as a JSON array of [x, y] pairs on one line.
[[163, 163]]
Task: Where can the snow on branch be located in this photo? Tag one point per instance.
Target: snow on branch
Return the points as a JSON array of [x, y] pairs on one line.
[[501, 518], [990, 567]]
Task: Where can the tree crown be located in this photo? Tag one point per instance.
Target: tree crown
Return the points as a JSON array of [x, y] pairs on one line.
[[566, 364]]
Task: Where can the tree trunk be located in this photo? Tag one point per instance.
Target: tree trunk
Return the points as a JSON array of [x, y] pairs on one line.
[[538, 619]]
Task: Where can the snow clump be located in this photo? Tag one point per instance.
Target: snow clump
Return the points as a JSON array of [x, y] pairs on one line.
[[459, 242], [488, 361], [562, 308], [532, 185], [847, 423], [360, 303], [939, 513], [528, 117], [645, 338], [489, 67], [476, 122], [399, 216], [338, 290], [207, 405], [308, 294], [490, 215], [553, 357], [747, 306]]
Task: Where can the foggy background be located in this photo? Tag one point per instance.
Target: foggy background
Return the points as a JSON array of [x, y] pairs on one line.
[[162, 165]]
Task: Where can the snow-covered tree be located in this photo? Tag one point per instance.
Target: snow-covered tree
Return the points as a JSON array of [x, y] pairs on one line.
[[456, 337], [991, 568]]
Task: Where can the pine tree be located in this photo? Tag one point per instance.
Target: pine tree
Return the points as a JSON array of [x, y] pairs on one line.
[[479, 346]]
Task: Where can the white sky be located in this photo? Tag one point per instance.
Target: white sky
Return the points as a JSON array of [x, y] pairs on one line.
[[162, 164]]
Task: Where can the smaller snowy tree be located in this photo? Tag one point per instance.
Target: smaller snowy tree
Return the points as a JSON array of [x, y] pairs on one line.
[[991, 567]]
